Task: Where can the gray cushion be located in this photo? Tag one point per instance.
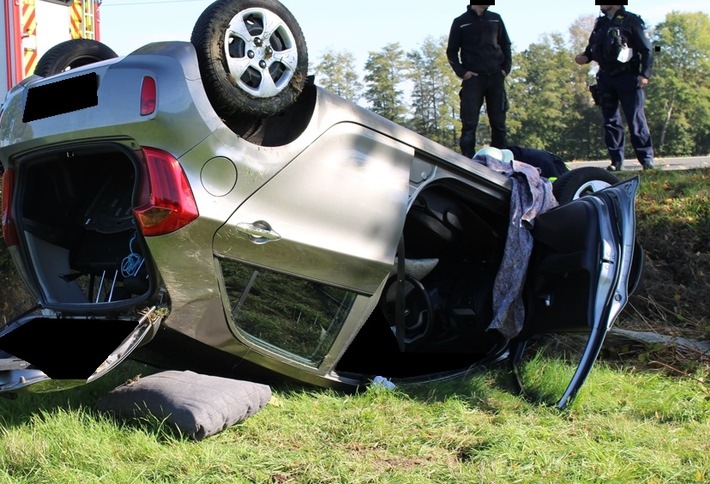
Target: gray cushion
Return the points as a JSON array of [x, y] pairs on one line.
[[197, 405]]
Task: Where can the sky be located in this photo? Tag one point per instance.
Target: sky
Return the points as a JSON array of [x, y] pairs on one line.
[[364, 26]]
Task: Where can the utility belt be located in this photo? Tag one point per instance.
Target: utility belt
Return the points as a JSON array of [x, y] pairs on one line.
[[489, 72], [617, 69]]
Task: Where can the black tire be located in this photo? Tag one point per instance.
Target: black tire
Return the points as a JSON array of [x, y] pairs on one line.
[[281, 55], [72, 54], [581, 181]]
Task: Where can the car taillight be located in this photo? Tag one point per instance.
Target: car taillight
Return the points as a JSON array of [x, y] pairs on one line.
[[9, 230], [149, 96], [170, 204]]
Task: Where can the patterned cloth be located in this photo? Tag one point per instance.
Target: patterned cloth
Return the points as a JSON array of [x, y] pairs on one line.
[[531, 195]]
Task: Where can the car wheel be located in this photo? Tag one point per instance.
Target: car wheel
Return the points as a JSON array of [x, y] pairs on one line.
[[252, 56], [581, 181], [72, 54]]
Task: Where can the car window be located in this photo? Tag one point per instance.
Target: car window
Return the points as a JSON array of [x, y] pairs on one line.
[[294, 317]]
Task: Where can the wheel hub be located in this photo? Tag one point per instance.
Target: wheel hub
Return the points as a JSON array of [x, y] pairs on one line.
[[260, 53]]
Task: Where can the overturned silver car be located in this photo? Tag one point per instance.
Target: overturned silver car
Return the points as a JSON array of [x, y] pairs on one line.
[[205, 204]]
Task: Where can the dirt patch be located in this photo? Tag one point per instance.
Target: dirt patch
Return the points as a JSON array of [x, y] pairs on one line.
[[673, 295], [673, 227], [14, 297]]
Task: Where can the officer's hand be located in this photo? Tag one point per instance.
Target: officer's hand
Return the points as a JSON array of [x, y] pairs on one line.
[[469, 75], [643, 82], [581, 59]]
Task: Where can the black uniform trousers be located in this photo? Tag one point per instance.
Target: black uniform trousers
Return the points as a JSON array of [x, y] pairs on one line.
[[622, 89], [491, 88]]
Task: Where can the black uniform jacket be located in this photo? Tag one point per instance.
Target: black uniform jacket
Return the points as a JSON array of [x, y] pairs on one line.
[[633, 30], [479, 44]]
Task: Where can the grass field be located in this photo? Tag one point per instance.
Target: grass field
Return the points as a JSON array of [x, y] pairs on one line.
[[625, 426]]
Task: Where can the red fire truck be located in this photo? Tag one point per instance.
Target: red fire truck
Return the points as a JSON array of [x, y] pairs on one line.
[[31, 27]]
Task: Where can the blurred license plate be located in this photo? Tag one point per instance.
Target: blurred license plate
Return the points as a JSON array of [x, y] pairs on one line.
[[61, 97]]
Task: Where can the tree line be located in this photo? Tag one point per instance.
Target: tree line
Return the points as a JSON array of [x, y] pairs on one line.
[[550, 104]]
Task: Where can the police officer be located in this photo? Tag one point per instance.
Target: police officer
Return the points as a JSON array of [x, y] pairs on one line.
[[479, 51], [619, 45]]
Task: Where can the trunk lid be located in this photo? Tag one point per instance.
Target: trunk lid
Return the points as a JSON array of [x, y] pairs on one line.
[[51, 352]]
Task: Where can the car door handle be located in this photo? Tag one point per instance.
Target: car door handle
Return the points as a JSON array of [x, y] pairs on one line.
[[258, 232]]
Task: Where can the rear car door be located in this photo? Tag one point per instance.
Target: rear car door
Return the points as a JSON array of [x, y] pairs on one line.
[[295, 256]]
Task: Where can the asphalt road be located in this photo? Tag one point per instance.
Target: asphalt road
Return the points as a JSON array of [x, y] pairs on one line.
[[661, 163]]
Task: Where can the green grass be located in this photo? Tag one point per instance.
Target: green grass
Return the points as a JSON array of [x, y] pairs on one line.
[[625, 426]]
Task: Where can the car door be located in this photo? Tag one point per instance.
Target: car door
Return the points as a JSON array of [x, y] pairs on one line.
[[584, 266], [324, 230]]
